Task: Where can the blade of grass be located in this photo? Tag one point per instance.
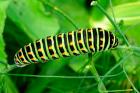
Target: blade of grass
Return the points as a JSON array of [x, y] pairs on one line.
[[132, 48], [79, 87], [121, 61], [66, 77], [114, 91], [132, 27], [11, 67], [111, 20], [60, 12], [83, 79], [93, 70], [115, 75], [135, 89], [3, 7], [111, 6], [89, 60]]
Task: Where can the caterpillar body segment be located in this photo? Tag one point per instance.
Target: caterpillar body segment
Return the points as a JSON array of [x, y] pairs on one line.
[[66, 44]]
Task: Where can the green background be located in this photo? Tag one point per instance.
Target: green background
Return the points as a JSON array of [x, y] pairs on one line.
[[116, 70]]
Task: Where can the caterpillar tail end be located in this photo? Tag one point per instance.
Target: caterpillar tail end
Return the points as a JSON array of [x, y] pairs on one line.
[[18, 63]]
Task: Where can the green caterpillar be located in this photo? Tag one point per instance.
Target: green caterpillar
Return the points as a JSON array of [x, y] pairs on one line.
[[64, 45]]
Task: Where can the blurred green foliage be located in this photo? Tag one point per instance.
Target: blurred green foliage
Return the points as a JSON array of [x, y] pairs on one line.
[[24, 21]]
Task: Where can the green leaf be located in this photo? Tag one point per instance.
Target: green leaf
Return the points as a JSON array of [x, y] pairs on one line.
[[96, 14], [115, 2], [6, 85], [127, 12], [3, 6], [78, 14], [133, 33], [77, 63], [31, 17], [48, 69]]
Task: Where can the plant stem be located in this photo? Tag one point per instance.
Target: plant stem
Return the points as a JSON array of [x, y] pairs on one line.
[[136, 90], [10, 67], [112, 10], [121, 61], [111, 20], [61, 12], [93, 70]]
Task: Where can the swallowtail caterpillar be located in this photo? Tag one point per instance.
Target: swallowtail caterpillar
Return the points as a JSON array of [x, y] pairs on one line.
[[66, 44]]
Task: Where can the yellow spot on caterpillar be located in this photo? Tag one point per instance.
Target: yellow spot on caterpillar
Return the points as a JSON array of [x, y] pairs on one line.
[[79, 31], [39, 50], [33, 59], [90, 39], [89, 30], [71, 43], [101, 45], [91, 46], [82, 49], [64, 53], [24, 61], [60, 45], [74, 51], [50, 47], [60, 35], [101, 39], [49, 38], [80, 41], [42, 57], [21, 56], [30, 53], [16, 60], [101, 30], [53, 55], [20, 50], [70, 33]]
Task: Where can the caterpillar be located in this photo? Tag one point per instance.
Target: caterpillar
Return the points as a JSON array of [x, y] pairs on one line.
[[66, 44]]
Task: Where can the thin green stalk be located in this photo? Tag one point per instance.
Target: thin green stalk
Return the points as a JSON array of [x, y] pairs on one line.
[[132, 27], [134, 49], [111, 20], [114, 91], [93, 70], [82, 81], [108, 76], [7, 67], [11, 67], [121, 61], [66, 77], [61, 12], [110, 1], [135, 89]]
